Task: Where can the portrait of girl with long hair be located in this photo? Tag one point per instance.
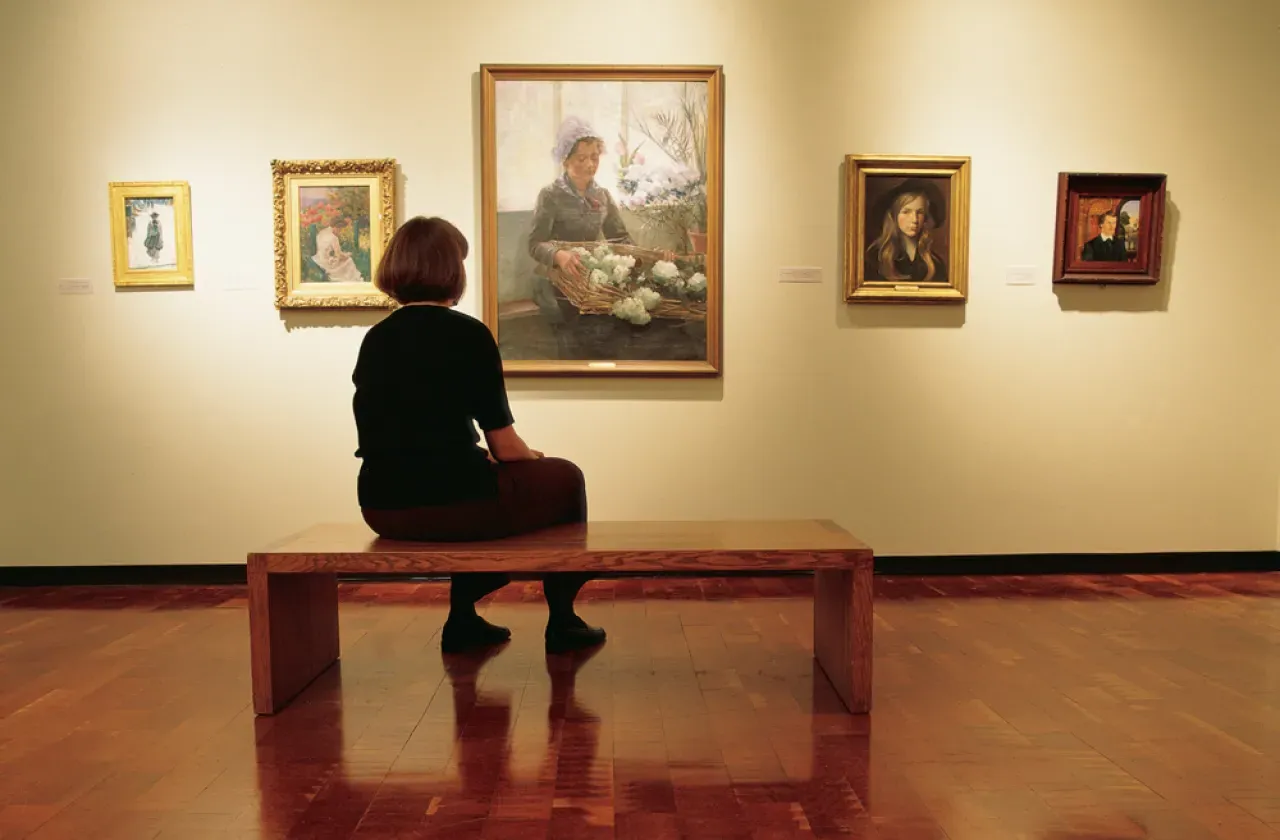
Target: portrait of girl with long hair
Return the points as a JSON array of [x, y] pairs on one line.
[[903, 229]]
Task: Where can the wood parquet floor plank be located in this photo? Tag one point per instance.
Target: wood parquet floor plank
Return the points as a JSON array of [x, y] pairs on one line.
[[1054, 708]]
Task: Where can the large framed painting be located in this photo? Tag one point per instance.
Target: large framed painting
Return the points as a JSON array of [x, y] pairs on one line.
[[602, 202], [333, 219], [151, 233], [1110, 228], [906, 229]]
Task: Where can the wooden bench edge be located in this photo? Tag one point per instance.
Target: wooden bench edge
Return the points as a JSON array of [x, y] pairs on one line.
[[710, 561]]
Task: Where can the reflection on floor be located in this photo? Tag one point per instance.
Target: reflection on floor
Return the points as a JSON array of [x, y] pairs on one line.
[[1111, 707]]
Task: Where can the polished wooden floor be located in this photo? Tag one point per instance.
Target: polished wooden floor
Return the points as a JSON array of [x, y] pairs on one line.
[[1055, 708]]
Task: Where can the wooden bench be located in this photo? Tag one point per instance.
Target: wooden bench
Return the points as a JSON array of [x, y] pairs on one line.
[[293, 591]]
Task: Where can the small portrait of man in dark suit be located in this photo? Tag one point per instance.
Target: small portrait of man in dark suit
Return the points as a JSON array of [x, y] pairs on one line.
[[1108, 245]]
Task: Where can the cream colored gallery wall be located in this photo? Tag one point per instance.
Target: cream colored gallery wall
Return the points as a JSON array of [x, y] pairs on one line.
[[192, 426]]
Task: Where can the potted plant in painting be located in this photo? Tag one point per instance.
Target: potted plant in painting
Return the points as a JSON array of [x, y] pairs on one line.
[[669, 191]]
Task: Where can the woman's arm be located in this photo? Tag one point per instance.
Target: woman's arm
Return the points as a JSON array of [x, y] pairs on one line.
[[488, 399], [506, 445]]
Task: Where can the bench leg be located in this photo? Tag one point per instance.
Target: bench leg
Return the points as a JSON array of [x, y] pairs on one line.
[[293, 633], [842, 605]]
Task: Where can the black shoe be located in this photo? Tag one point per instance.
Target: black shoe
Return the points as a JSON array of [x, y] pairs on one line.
[[578, 635], [461, 635]]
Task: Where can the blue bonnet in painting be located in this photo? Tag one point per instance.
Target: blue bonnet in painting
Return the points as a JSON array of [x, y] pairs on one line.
[[571, 131]]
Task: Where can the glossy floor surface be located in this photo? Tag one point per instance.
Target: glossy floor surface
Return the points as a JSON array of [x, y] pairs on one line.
[[1055, 708]]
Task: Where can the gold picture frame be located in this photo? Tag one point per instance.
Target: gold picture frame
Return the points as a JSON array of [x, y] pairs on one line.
[[893, 206], [645, 146], [333, 220], [151, 233]]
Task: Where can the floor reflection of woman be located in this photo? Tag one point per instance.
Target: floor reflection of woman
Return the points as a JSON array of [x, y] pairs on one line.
[[907, 217]]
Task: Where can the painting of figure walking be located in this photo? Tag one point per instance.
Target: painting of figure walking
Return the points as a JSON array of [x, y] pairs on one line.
[[151, 233], [149, 248]]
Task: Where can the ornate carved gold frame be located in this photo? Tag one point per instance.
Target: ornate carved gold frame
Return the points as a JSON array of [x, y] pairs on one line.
[[287, 176]]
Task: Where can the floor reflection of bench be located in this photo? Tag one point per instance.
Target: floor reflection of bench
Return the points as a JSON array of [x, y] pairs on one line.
[[293, 594], [318, 777]]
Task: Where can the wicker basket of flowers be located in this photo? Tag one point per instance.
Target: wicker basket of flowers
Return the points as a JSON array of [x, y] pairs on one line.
[[633, 283]]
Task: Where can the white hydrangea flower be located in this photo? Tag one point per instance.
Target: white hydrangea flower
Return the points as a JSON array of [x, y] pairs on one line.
[[698, 282], [665, 270], [631, 309], [620, 274], [647, 297], [598, 277]]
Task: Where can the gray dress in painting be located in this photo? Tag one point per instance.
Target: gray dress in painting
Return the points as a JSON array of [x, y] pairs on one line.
[[562, 214]]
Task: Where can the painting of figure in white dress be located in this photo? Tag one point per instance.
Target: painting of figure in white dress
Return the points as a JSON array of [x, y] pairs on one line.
[[334, 234], [332, 220]]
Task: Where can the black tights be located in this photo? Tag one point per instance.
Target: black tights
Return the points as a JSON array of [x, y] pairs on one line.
[[560, 589]]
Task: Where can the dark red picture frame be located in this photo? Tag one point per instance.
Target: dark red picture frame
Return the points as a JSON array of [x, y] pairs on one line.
[[1083, 197]]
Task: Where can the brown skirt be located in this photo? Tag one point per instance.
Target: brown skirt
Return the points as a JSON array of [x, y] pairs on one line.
[[531, 495]]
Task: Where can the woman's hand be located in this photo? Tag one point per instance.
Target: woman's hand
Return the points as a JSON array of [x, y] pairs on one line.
[[568, 262]]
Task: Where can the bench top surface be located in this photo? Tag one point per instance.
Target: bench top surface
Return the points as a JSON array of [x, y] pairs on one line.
[[795, 543]]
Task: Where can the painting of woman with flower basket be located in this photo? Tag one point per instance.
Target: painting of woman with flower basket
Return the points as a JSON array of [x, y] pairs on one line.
[[604, 265]]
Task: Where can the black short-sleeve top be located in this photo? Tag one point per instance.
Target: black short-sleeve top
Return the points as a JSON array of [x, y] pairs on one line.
[[425, 377]]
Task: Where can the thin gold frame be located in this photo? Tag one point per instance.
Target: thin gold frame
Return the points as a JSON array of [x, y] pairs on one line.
[[857, 289], [287, 175], [713, 76], [183, 275]]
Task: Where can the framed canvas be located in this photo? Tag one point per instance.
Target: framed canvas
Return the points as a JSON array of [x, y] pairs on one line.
[[906, 229], [601, 227], [151, 233], [333, 219], [1110, 228]]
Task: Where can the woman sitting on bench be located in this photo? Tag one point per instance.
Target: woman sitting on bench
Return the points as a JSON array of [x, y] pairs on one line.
[[425, 377]]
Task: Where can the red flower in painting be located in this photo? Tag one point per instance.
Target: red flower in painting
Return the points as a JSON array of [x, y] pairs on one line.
[[318, 214]]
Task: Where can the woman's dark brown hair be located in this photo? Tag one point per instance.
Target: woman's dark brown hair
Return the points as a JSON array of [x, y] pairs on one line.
[[423, 262]]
